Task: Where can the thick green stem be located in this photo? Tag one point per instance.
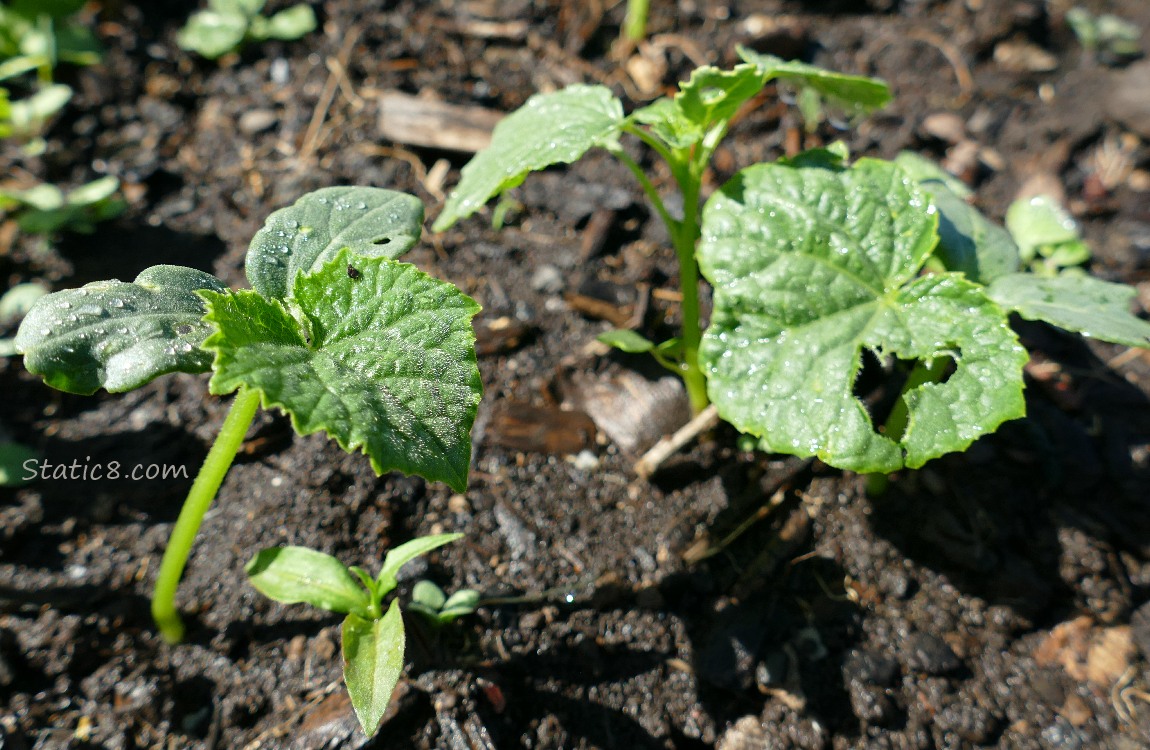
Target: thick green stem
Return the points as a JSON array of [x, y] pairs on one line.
[[635, 27], [200, 496], [685, 239]]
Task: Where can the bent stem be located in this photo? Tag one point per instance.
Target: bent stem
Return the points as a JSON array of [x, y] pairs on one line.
[[200, 496]]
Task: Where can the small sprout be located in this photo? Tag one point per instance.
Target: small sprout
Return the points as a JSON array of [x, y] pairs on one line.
[[229, 24], [1048, 238], [373, 639], [46, 209], [1111, 38], [430, 601]]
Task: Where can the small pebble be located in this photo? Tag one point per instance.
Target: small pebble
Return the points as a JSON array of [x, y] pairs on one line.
[[256, 121], [547, 279], [929, 653]]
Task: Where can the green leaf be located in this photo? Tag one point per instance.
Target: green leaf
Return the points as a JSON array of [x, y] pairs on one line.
[[17, 301], [858, 92], [292, 23], [119, 336], [294, 575], [1082, 303], [627, 341], [923, 170], [407, 552], [383, 362], [462, 602], [52, 8], [810, 267], [301, 238], [93, 192], [427, 595], [13, 456], [710, 97], [969, 243], [1040, 226], [372, 664], [29, 115], [212, 34], [554, 128]]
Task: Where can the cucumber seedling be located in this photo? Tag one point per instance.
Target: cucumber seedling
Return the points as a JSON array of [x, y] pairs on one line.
[[382, 360], [373, 639], [814, 262]]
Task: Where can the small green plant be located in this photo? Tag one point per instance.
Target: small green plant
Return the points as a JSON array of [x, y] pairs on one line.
[[373, 639], [684, 131], [227, 25], [813, 262], [40, 34], [1048, 239], [437, 607], [46, 209], [1105, 35], [334, 332]]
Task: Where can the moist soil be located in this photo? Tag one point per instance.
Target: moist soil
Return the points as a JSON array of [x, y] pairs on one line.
[[997, 598]]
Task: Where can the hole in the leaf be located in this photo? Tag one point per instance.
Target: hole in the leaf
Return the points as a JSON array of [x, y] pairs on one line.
[[382, 241], [881, 382], [872, 375]]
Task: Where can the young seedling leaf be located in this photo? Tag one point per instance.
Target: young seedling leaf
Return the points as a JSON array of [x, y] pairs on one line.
[[810, 267], [428, 596], [1090, 306], [857, 92], [462, 602], [371, 222], [1042, 228], [294, 575], [710, 97], [292, 23], [555, 128], [969, 243], [119, 336], [407, 552], [627, 341], [382, 362], [372, 664], [212, 34]]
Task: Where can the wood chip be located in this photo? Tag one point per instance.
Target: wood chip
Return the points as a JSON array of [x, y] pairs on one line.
[[422, 121], [521, 426]]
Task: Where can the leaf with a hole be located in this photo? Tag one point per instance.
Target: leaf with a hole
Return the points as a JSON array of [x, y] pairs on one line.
[[383, 362], [372, 664], [1080, 303], [371, 222], [554, 128], [119, 336], [293, 575], [812, 266]]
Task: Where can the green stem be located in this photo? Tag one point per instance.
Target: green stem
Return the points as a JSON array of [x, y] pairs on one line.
[[635, 27], [684, 241], [200, 496]]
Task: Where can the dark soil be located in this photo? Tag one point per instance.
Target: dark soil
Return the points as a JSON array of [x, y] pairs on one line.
[[998, 598]]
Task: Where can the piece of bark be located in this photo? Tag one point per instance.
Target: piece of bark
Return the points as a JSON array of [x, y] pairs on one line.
[[499, 335], [540, 429], [420, 121]]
